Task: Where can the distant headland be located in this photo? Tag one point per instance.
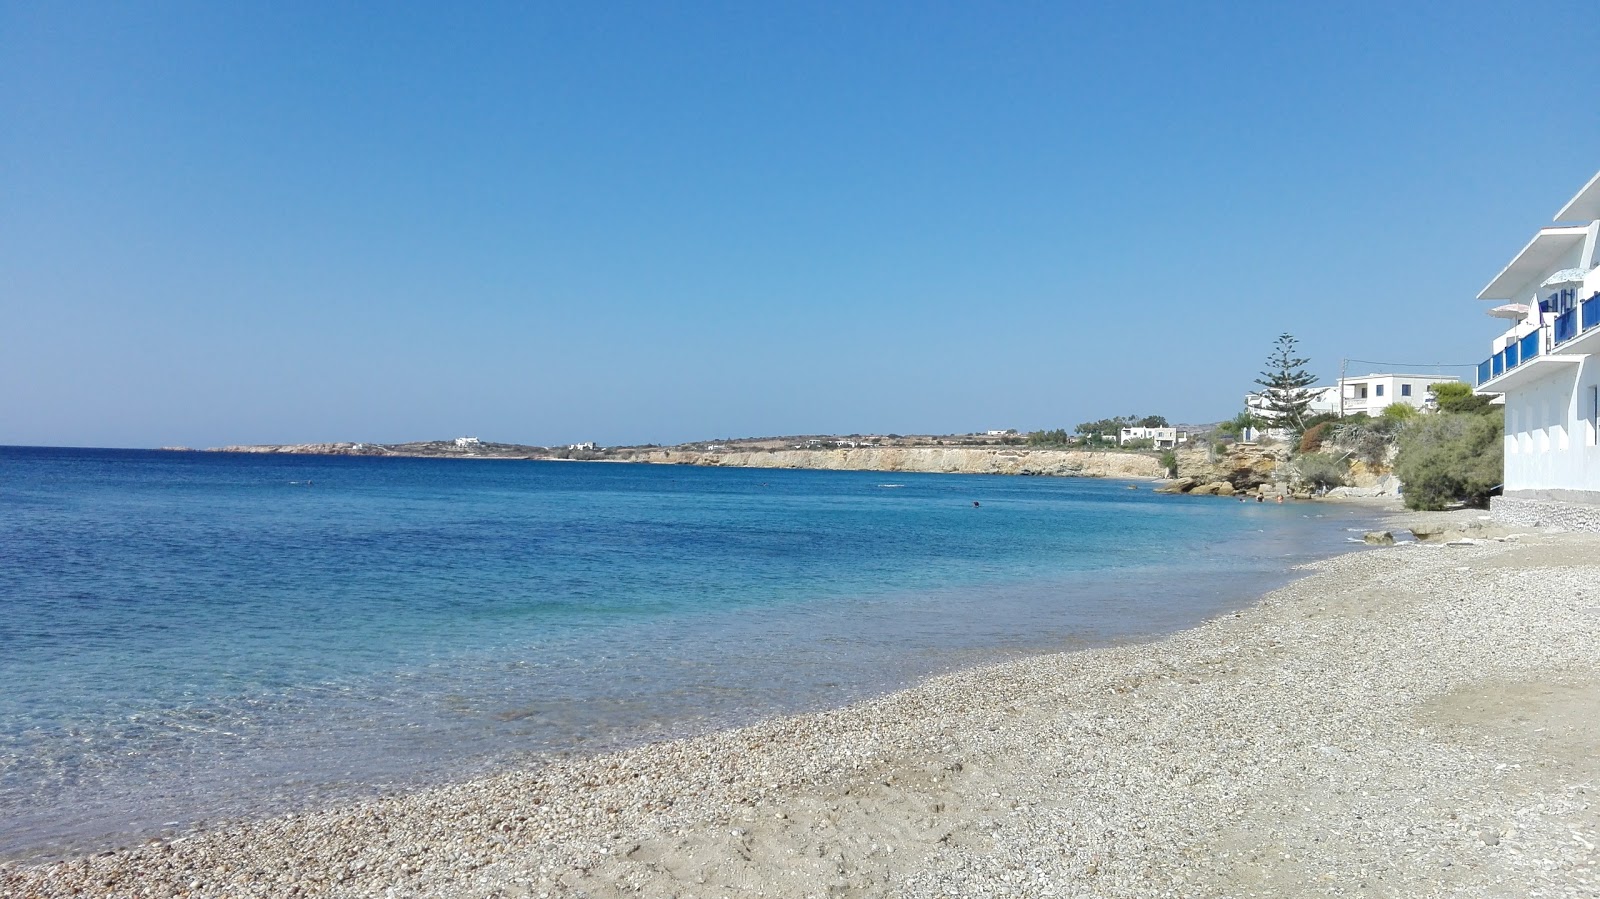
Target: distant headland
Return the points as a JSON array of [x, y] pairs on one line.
[[995, 452]]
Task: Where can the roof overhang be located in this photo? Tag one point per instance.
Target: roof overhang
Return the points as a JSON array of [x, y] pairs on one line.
[[1540, 255], [1585, 207]]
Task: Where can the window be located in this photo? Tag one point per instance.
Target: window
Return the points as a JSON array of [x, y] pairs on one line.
[[1378, 390], [1405, 389]]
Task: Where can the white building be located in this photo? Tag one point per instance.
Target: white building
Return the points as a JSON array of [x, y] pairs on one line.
[[468, 441], [1323, 400], [1546, 369], [1374, 393], [1161, 438]]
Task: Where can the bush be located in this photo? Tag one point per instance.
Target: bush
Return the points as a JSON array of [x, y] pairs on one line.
[[1169, 463], [1058, 437], [1235, 426], [1367, 438], [1451, 458], [1320, 418], [1455, 396], [1314, 437], [1399, 413], [1321, 470]]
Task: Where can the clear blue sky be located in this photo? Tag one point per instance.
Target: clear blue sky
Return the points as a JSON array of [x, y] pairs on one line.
[[548, 223]]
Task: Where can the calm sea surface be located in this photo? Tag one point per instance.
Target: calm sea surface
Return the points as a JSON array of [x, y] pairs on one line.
[[186, 637]]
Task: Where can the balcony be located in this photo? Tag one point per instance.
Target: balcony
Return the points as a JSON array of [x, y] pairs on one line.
[[1577, 331], [1532, 356]]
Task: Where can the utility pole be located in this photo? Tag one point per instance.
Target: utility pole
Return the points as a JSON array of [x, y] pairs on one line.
[[1342, 364]]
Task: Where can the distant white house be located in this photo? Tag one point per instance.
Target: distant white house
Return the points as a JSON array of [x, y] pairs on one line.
[[1545, 368], [1374, 393], [468, 441], [1008, 432], [580, 446], [1161, 438], [1323, 400]]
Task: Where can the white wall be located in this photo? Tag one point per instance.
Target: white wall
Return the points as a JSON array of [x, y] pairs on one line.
[[1550, 434], [1391, 384]]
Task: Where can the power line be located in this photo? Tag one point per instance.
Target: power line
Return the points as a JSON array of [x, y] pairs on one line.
[[1415, 364]]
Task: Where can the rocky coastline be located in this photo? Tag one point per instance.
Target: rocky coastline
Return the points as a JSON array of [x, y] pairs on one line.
[[1004, 460], [1254, 470], [938, 460]]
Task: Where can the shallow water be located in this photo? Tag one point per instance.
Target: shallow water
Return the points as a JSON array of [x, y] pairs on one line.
[[186, 637]]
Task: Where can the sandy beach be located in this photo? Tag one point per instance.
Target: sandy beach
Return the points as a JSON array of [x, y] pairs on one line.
[[1415, 720]]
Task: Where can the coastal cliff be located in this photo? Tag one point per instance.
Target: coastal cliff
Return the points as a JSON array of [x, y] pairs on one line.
[[935, 459], [932, 459]]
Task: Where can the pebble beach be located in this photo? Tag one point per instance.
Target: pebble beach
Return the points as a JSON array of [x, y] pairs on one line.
[[1412, 720]]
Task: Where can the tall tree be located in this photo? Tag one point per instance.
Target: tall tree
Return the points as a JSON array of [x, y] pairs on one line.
[[1284, 385]]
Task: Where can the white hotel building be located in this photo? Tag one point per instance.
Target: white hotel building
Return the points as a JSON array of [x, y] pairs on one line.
[[1546, 369]]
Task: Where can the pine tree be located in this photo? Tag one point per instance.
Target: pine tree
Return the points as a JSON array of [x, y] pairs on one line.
[[1284, 385]]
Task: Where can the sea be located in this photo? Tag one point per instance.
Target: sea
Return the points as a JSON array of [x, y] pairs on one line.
[[188, 638]]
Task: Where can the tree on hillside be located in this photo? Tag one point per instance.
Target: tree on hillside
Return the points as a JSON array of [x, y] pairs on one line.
[[1284, 385], [1103, 427], [1454, 396], [1057, 437]]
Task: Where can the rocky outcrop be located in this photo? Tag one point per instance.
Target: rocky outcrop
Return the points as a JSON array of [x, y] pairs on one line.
[[1238, 468], [1383, 486], [945, 460]]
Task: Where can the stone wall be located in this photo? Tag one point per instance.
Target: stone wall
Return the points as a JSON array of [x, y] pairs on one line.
[[1525, 512]]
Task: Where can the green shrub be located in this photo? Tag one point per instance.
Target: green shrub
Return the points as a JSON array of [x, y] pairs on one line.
[[1451, 458], [1235, 426], [1169, 463], [1454, 396], [1321, 470], [1400, 413]]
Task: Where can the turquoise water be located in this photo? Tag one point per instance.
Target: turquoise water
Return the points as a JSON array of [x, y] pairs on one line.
[[186, 637]]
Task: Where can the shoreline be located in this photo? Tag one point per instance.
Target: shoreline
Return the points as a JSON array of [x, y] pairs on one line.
[[1211, 592], [1366, 726]]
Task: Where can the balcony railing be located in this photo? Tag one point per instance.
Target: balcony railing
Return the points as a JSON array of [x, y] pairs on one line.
[[1528, 347], [1577, 320], [1567, 325], [1516, 353]]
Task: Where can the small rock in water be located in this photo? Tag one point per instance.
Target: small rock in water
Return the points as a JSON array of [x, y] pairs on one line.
[[1379, 538]]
